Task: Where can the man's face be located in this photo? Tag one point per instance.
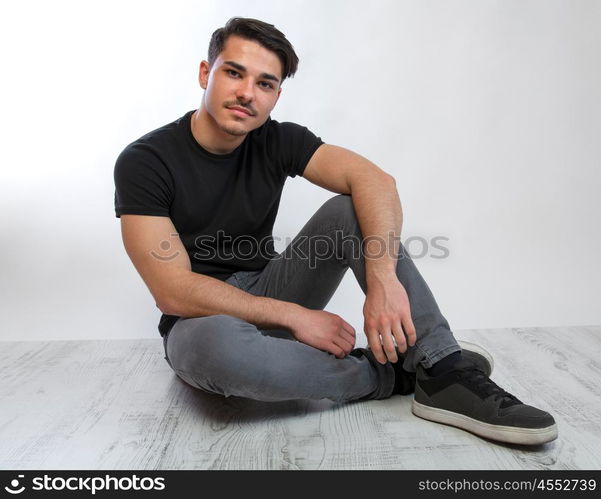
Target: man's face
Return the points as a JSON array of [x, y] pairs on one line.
[[242, 86]]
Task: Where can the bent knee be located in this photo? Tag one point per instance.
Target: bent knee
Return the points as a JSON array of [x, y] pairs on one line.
[[340, 203], [197, 341], [341, 208]]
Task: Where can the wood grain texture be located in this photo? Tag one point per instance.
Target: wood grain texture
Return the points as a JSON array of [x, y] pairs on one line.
[[117, 405]]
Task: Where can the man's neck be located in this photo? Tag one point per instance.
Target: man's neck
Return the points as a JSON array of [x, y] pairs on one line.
[[210, 136]]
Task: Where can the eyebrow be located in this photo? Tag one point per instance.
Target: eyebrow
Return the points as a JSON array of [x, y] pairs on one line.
[[240, 67]]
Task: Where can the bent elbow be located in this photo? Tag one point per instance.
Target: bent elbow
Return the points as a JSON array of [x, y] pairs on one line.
[[167, 307]]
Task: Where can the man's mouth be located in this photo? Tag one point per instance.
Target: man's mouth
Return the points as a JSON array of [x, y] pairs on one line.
[[241, 111]]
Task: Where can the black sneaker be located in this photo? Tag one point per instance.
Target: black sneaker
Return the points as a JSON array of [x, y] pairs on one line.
[[466, 397], [404, 383], [405, 380], [478, 355]]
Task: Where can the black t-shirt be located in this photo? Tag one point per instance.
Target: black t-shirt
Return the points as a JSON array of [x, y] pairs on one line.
[[223, 206]]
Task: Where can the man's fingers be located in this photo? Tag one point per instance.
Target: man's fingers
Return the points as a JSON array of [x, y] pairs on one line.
[[349, 338], [348, 328], [336, 350], [399, 337], [373, 338], [389, 347], [344, 344], [409, 329]]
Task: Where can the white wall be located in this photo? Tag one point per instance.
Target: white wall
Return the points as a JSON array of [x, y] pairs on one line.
[[488, 114]]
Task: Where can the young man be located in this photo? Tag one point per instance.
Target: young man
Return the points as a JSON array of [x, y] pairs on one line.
[[198, 198]]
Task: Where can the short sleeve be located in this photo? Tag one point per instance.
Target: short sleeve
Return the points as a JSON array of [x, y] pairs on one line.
[[143, 184], [296, 146]]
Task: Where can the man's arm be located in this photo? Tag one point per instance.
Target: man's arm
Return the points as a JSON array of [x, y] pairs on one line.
[[378, 208], [179, 291]]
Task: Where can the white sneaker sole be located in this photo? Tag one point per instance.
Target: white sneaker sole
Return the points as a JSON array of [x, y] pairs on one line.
[[507, 434], [467, 345]]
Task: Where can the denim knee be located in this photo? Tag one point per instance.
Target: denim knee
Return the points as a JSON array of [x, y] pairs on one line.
[[196, 342], [342, 204]]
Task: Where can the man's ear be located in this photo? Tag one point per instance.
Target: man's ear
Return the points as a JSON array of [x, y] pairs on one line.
[[203, 74], [279, 93]]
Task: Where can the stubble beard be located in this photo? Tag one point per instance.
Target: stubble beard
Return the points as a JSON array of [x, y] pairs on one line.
[[233, 131], [237, 132], [230, 130]]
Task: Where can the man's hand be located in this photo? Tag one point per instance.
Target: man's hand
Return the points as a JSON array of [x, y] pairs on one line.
[[323, 330], [387, 314]]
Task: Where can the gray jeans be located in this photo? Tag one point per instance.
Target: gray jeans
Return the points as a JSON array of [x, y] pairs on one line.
[[228, 356]]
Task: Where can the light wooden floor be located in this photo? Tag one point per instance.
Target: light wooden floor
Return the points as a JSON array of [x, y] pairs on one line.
[[117, 405]]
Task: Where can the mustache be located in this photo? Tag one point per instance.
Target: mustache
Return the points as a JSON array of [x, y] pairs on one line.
[[248, 107]]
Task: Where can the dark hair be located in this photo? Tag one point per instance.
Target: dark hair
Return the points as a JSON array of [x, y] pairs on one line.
[[260, 32]]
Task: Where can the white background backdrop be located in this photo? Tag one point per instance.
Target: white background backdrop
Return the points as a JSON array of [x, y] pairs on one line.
[[487, 113]]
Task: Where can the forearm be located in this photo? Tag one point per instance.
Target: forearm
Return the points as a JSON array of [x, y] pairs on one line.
[[378, 208], [197, 295]]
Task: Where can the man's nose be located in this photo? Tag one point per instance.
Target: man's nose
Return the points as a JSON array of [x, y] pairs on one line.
[[245, 91]]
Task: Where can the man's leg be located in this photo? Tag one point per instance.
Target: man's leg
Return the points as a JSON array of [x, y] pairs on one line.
[[206, 352], [312, 266], [228, 356], [450, 389]]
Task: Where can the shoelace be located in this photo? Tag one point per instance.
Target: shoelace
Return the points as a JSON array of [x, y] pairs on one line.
[[486, 387]]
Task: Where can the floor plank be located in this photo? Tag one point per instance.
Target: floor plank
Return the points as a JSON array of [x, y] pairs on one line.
[[117, 405]]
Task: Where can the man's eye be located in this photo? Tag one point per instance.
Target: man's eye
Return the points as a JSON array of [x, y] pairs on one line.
[[231, 72], [266, 84]]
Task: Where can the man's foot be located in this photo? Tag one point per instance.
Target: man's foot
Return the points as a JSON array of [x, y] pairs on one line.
[[478, 355], [465, 397], [405, 380]]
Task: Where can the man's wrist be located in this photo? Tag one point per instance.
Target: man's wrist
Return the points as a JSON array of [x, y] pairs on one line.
[[288, 312], [380, 274], [272, 313]]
